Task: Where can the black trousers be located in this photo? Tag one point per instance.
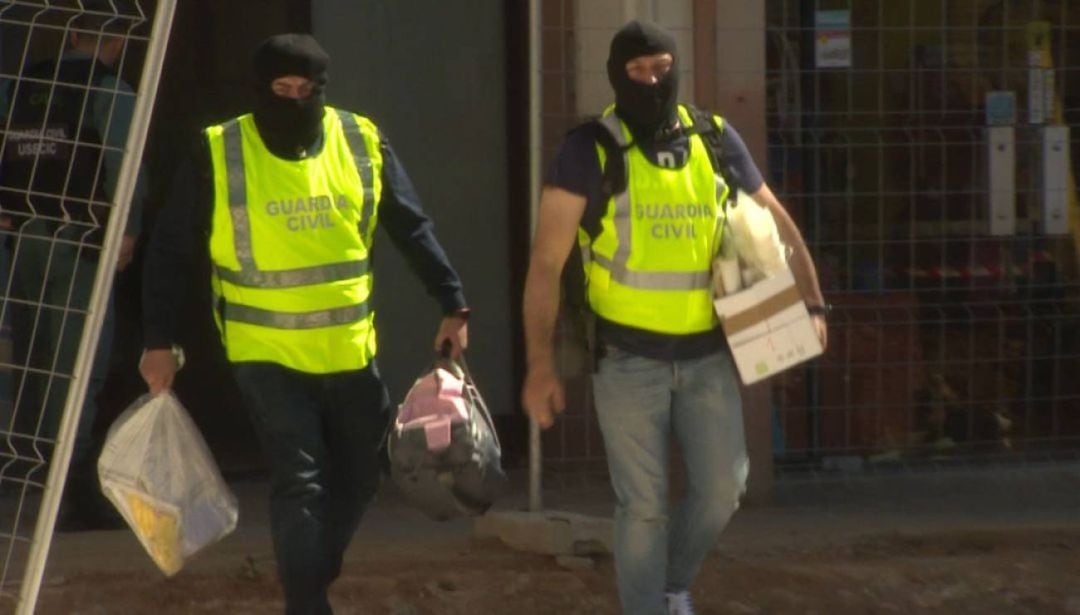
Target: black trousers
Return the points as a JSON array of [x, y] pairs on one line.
[[322, 434]]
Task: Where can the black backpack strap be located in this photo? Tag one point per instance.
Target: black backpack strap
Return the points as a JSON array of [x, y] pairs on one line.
[[705, 125], [581, 321], [608, 133], [610, 137], [603, 132]]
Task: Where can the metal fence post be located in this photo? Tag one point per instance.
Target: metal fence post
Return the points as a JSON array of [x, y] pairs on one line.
[[140, 123]]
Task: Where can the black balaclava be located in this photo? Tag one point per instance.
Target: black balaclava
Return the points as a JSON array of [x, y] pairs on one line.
[[288, 126], [646, 109]]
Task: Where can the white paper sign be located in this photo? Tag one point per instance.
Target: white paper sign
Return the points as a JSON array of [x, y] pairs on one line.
[[832, 35]]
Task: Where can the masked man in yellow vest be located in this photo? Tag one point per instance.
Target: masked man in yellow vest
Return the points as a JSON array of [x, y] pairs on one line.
[[286, 201], [664, 369]]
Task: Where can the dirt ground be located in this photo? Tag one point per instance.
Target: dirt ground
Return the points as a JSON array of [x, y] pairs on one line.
[[1014, 571], [945, 550]]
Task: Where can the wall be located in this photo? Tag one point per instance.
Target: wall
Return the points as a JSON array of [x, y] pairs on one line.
[[432, 76], [598, 20]]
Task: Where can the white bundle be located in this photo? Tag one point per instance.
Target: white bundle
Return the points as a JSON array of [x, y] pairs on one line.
[[755, 238]]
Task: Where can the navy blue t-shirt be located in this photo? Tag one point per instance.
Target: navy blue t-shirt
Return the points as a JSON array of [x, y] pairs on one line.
[[576, 169]]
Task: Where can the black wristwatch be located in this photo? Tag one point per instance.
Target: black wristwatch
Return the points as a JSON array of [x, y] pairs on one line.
[[819, 310]]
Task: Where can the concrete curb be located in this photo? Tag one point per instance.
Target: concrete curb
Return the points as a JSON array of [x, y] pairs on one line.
[[548, 532]]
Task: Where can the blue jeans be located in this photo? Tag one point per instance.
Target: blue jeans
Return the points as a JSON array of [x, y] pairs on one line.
[[641, 403], [322, 434]]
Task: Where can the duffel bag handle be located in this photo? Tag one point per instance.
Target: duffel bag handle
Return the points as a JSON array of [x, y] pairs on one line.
[[460, 368]]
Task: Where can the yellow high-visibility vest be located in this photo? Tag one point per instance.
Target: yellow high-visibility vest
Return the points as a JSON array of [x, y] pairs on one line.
[[649, 266], [290, 245]]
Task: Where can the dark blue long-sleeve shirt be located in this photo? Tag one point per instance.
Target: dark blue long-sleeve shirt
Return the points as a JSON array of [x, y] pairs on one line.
[[182, 231]]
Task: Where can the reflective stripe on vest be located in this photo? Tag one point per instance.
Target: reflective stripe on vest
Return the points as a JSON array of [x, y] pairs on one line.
[[297, 320], [363, 166], [290, 246], [639, 291], [654, 280]]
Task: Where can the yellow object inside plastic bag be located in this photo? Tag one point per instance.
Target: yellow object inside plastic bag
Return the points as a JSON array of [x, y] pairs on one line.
[[158, 530], [156, 469]]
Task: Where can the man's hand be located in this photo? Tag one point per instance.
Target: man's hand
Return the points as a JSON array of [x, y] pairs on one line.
[[822, 330], [127, 252], [543, 396], [158, 368], [454, 330]]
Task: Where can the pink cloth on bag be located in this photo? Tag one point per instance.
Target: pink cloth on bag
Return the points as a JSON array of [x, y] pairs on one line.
[[435, 402]]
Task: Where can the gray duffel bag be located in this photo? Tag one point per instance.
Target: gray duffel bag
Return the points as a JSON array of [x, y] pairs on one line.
[[444, 452]]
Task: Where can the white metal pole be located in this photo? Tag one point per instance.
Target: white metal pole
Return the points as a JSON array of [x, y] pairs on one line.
[[125, 186], [535, 154]]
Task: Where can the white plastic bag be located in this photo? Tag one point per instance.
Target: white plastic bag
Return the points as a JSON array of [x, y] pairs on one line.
[[756, 239], [156, 469]]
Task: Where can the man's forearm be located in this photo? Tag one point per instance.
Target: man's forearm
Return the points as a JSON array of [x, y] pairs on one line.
[[802, 265], [179, 238], [557, 227], [541, 309]]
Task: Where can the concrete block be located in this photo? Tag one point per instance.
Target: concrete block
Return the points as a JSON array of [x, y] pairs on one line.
[[574, 562], [684, 44], [592, 47], [531, 532], [674, 14], [548, 533], [599, 14], [589, 535], [593, 94]]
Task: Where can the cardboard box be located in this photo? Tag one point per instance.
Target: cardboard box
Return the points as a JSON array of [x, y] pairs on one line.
[[768, 327]]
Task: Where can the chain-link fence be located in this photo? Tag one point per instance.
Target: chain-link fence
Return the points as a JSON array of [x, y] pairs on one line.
[[78, 83], [924, 148], [927, 159]]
